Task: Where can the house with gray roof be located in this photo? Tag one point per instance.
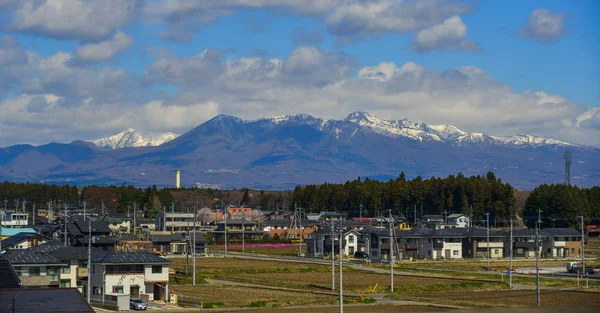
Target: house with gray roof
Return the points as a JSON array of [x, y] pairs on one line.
[[35, 269], [133, 273]]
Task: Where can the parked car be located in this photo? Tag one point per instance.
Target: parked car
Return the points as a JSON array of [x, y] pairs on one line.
[[361, 255], [137, 304]]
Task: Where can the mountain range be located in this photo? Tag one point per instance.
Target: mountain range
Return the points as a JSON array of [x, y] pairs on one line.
[[282, 152]]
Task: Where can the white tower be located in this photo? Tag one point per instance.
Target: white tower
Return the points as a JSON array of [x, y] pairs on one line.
[[177, 179]]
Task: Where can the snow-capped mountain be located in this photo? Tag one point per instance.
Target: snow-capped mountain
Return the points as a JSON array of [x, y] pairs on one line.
[[132, 138], [285, 151], [404, 128]]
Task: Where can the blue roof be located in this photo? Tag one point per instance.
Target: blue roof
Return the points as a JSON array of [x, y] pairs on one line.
[[13, 231]]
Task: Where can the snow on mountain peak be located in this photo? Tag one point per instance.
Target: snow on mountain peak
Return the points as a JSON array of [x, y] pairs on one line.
[[132, 138], [396, 129]]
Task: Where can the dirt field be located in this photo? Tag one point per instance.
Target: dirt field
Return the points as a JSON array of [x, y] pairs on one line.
[[477, 265], [235, 296], [523, 298], [358, 282], [381, 308]]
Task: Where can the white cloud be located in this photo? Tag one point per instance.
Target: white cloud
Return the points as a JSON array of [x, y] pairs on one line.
[[544, 27], [102, 51], [448, 36], [73, 19], [91, 103]]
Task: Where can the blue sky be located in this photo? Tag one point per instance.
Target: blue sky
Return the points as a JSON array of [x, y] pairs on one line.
[[86, 69]]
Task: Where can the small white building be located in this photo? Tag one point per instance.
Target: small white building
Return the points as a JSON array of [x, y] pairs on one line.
[[133, 273], [175, 221], [350, 242], [11, 219], [459, 221]]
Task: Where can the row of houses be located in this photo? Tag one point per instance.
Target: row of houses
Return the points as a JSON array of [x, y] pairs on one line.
[[55, 265], [446, 243]]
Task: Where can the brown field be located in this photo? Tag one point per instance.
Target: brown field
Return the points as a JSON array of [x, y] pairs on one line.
[[357, 282], [375, 308], [477, 265], [521, 298], [240, 296]]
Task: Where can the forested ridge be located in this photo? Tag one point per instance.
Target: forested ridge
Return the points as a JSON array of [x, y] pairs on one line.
[[454, 194], [473, 196], [561, 205]]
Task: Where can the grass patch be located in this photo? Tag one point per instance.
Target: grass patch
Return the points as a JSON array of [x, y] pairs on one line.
[[257, 304]]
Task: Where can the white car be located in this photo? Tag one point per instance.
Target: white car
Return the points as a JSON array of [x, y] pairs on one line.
[[137, 304]]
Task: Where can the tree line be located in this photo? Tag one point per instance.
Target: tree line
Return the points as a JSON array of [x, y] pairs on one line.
[[414, 198], [561, 205]]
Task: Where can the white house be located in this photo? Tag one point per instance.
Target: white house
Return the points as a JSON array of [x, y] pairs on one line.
[[458, 220], [350, 242], [132, 273], [441, 244]]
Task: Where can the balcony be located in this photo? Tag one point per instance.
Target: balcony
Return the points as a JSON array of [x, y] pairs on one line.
[[492, 245], [82, 272], [36, 281]]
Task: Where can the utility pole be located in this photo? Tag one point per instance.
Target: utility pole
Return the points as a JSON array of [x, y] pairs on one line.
[[510, 272], [332, 257], [583, 253], [225, 215], [187, 246], [65, 225], [84, 205], [134, 214], [243, 235], [172, 217], [341, 271], [415, 215], [488, 239], [164, 218], [33, 216], [361, 206], [391, 253], [537, 263], [194, 249], [89, 263]]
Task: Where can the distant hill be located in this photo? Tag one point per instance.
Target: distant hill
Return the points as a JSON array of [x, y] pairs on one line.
[[281, 152]]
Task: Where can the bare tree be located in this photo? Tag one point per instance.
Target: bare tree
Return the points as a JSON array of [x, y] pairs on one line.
[[241, 215], [256, 215]]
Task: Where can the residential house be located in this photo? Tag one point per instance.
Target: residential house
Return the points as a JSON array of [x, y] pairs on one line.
[[35, 269], [287, 229], [175, 221], [235, 229], [319, 244], [145, 224], [74, 273], [15, 219], [475, 245], [133, 273], [432, 218], [78, 234], [561, 242], [350, 244], [440, 243], [176, 243], [23, 241], [235, 211], [16, 299], [280, 215], [523, 242], [459, 221], [8, 232]]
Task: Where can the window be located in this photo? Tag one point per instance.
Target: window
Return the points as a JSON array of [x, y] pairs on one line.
[[573, 251], [428, 252], [156, 269], [455, 252], [350, 239], [496, 251], [65, 284], [66, 270], [96, 291], [34, 271], [117, 289], [53, 272]]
